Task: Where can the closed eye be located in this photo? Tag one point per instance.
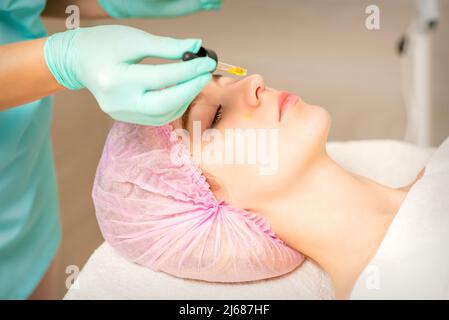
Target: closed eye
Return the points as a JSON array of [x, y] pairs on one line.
[[218, 116]]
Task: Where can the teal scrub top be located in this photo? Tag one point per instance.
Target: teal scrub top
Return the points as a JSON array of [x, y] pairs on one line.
[[30, 230]]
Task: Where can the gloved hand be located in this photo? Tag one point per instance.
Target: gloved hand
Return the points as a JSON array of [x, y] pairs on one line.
[[156, 8], [104, 59]]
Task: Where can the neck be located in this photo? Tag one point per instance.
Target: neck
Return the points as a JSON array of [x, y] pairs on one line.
[[336, 218]]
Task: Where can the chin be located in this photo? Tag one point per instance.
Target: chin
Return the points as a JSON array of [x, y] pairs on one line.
[[319, 125], [303, 139], [310, 124], [322, 121]]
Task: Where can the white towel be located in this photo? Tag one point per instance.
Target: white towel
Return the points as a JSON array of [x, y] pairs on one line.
[[107, 275], [412, 261]]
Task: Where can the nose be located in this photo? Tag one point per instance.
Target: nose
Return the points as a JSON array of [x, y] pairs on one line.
[[254, 85]]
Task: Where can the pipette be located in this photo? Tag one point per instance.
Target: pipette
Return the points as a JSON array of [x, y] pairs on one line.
[[221, 66]]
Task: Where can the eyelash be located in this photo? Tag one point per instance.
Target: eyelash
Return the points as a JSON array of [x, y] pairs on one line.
[[218, 115]]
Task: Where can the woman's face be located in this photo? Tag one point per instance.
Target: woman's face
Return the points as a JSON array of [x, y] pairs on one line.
[[286, 142]]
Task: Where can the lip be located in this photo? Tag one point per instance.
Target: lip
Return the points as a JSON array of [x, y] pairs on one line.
[[285, 100]]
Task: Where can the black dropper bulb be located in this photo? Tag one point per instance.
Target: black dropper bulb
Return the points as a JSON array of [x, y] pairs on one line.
[[202, 52]]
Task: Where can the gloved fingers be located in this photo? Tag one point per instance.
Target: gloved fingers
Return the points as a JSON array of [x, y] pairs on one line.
[[152, 77], [167, 103], [183, 7], [150, 8], [130, 45], [178, 113], [166, 47], [211, 4]]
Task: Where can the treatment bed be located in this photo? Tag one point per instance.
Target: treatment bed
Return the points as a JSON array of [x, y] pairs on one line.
[[107, 275]]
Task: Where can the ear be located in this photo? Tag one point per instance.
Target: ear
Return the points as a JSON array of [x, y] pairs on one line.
[[216, 188], [213, 183]]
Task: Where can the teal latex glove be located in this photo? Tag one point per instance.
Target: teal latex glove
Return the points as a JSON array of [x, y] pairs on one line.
[[121, 9], [104, 59]]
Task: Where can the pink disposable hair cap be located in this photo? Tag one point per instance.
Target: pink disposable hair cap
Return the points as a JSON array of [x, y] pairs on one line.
[[160, 213]]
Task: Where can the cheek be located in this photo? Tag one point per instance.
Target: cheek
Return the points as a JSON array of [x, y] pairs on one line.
[[303, 139], [230, 174], [237, 120], [234, 184]]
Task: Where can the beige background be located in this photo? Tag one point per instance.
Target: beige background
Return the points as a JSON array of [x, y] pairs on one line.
[[318, 49]]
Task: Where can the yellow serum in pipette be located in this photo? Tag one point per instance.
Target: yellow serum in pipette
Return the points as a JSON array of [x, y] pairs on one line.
[[229, 68], [238, 71]]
